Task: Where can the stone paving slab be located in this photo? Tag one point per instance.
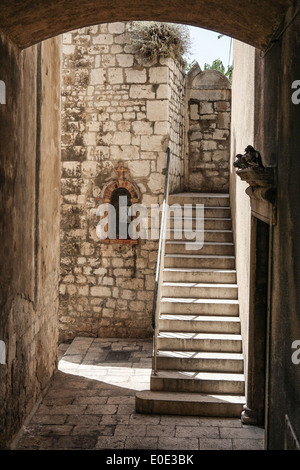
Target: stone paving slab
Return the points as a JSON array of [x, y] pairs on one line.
[[90, 405]]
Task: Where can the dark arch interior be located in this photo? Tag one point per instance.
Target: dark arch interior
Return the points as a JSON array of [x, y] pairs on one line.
[[121, 225], [256, 22]]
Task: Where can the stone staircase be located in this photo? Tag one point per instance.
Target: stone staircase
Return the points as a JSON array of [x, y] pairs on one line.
[[200, 365]]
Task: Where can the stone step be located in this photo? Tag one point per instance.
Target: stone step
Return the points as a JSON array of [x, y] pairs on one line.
[[208, 199], [199, 341], [194, 247], [199, 323], [199, 290], [199, 275], [221, 236], [189, 404], [208, 223], [227, 307], [199, 261], [198, 382], [212, 342], [200, 361], [198, 211]]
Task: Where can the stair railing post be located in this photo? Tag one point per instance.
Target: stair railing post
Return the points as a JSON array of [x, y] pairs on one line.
[[160, 264]]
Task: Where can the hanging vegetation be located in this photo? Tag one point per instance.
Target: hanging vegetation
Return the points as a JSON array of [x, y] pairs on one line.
[[153, 39]]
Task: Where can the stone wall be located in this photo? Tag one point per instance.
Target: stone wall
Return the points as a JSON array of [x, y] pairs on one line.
[[242, 135], [208, 105], [177, 110], [115, 108], [29, 227]]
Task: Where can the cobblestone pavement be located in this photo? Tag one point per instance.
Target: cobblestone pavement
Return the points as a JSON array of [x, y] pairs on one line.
[[90, 405]]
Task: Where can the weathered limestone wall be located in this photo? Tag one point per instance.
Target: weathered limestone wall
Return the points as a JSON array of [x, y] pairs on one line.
[[29, 230], [115, 108], [208, 106], [242, 134], [176, 122]]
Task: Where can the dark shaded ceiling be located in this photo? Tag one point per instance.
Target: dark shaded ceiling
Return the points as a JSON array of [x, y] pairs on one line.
[[27, 22]]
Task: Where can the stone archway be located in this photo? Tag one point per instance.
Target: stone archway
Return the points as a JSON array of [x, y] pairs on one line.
[[32, 22], [121, 182], [25, 136]]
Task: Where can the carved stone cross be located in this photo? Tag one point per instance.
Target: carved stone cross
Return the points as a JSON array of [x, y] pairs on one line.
[[121, 170]]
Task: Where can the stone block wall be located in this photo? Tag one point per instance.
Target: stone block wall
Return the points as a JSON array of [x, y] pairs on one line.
[[29, 234], [115, 108], [176, 97], [208, 105]]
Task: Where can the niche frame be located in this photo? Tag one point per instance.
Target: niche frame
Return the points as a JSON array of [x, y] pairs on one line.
[[122, 181]]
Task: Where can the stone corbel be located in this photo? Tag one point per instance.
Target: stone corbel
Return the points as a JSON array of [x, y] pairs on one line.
[[261, 190], [262, 182]]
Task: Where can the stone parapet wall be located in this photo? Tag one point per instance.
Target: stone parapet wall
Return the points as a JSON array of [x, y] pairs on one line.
[[208, 103]]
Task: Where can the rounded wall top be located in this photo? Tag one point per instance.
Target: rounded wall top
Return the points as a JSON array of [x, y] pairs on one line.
[[210, 79]]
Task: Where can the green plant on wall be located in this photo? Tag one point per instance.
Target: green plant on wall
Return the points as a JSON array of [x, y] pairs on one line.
[[153, 39], [190, 66]]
